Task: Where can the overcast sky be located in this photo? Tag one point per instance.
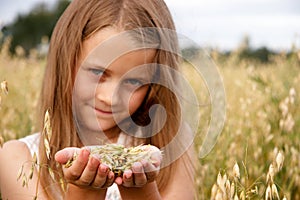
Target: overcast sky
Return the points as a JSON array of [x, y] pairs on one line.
[[217, 23]]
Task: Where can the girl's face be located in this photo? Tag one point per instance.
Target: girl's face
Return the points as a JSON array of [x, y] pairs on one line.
[[108, 89]]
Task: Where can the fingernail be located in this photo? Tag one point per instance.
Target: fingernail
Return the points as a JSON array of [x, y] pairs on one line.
[[138, 167], [85, 152], [144, 162], [104, 169], [127, 174], [94, 160], [110, 176]]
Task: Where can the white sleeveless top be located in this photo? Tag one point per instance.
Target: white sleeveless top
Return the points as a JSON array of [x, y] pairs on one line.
[[32, 142]]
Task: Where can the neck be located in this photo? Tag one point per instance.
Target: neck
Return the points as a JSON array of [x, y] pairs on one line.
[[112, 134], [91, 137]]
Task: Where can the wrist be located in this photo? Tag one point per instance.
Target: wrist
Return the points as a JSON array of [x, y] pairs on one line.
[[76, 192]]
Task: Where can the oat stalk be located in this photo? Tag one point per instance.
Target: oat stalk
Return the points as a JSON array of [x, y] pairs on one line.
[[4, 87], [117, 157], [47, 134], [1, 141]]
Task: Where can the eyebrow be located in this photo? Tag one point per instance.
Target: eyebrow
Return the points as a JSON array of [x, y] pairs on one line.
[[145, 77], [97, 65]]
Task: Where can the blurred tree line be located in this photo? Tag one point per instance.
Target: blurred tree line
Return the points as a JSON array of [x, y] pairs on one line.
[[27, 30], [244, 52]]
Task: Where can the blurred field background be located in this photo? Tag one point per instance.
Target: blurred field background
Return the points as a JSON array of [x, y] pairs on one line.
[[257, 155]]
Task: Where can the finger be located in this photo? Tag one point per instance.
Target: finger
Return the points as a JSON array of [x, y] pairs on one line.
[[156, 158], [101, 176], [151, 148], [74, 172], [119, 180], [156, 155], [89, 172], [139, 177], [64, 155], [128, 178], [150, 170], [109, 180]]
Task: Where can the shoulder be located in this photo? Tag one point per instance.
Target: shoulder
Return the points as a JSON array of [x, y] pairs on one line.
[[13, 153], [15, 148], [14, 156]]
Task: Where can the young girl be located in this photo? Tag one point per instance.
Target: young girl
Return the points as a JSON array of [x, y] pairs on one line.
[[104, 77]]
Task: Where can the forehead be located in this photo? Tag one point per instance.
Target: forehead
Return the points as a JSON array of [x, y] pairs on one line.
[[109, 47]]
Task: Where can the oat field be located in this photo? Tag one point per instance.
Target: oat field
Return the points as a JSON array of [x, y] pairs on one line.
[[257, 155]]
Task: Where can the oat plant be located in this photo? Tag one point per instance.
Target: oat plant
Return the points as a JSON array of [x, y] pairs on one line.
[[22, 175], [232, 188], [4, 90]]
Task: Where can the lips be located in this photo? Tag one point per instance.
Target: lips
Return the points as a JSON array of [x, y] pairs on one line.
[[106, 112]]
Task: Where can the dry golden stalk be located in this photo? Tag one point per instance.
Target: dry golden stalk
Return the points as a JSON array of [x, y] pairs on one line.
[[268, 193], [242, 195], [1, 141], [47, 148], [47, 134], [119, 158], [271, 174], [214, 190], [236, 197], [69, 163], [31, 172], [228, 189], [232, 190], [47, 126], [279, 160], [274, 191], [236, 171], [51, 173], [34, 158], [24, 181], [221, 181], [4, 87], [20, 172], [284, 198], [219, 195], [62, 184]]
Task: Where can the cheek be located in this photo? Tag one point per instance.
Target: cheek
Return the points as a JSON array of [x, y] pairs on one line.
[[83, 89], [136, 99]]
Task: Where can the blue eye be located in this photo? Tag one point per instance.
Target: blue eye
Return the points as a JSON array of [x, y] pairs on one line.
[[97, 72], [133, 82]]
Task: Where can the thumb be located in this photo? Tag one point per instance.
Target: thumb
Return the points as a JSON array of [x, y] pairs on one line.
[[64, 155]]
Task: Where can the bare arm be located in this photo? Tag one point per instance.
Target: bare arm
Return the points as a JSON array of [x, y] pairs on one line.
[[181, 185], [13, 156]]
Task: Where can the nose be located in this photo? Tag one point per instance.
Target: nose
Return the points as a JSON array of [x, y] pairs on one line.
[[107, 93]]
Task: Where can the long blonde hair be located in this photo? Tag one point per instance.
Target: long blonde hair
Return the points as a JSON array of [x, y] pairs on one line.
[[80, 21]]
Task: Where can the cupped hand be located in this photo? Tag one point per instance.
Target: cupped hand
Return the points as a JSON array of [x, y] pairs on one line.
[[142, 172], [86, 170]]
